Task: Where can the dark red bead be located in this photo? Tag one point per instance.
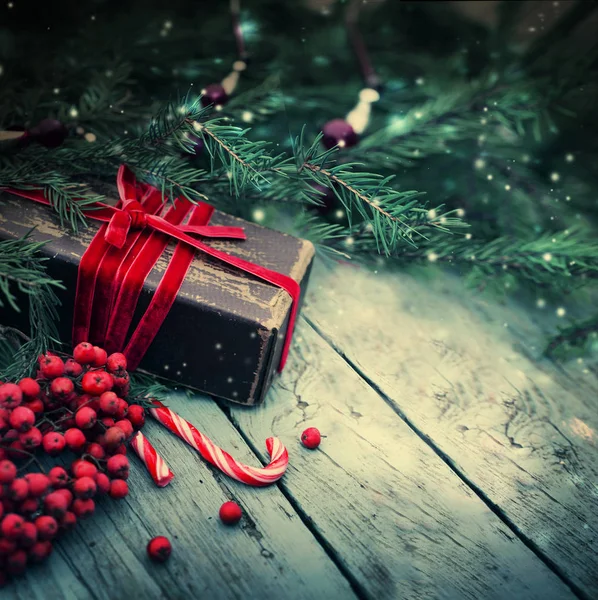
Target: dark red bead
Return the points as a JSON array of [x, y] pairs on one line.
[[338, 131], [48, 132], [214, 94]]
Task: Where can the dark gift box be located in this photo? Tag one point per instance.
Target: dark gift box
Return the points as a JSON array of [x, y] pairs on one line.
[[225, 331]]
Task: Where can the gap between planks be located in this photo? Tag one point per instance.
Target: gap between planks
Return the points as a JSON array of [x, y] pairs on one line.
[[479, 492]]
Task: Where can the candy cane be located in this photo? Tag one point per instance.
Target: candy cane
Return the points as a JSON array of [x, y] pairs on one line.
[[221, 459], [155, 464]]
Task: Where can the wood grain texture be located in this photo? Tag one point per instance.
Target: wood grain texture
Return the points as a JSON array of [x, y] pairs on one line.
[[463, 371], [393, 513], [270, 555]]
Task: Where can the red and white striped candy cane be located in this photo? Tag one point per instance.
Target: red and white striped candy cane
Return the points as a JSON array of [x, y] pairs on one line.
[[155, 464], [221, 459]]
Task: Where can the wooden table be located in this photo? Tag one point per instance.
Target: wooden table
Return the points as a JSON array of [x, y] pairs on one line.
[[456, 464]]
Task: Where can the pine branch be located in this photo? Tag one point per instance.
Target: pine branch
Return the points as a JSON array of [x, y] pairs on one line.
[[576, 336]]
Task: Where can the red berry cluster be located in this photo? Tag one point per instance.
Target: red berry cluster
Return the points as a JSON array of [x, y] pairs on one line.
[[79, 405]]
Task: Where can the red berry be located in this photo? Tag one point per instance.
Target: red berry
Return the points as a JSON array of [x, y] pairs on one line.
[[109, 403], [29, 506], [29, 387], [116, 362], [123, 409], [84, 468], [102, 483], [28, 535], [69, 521], [8, 471], [36, 405], [86, 417], [84, 353], [121, 380], [122, 449], [100, 356], [66, 494], [62, 388], [40, 551], [94, 449], [118, 489], [72, 368], [83, 508], [126, 426], [12, 526], [159, 548], [18, 489], [38, 484], [84, 488], [96, 382], [107, 422], [22, 419], [31, 439], [310, 438], [59, 478], [51, 366], [230, 513], [10, 395], [56, 503], [114, 437], [16, 562], [75, 438], [118, 466], [46, 526], [16, 450], [136, 415], [7, 547], [53, 442]]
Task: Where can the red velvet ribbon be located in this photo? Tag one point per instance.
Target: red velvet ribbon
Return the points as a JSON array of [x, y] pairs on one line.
[[125, 249]]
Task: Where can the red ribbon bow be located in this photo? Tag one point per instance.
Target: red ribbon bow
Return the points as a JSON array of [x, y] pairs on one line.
[[124, 251]]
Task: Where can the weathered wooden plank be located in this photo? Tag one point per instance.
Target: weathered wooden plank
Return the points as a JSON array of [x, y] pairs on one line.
[[271, 555], [461, 369], [395, 515]]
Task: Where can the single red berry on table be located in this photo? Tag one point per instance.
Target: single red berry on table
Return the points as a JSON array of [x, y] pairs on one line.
[[83, 508], [159, 548], [31, 439], [18, 489], [86, 417], [109, 402], [100, 358], [72, 368], [116, 362], [12, 526], [118, 466], [40, 551], [84, 488], [230, 513], [29, 387], [118, 489], [102, 483], [38, 484], [53, 442], [311, 438], [84, 353], [69, 521], [94, 449], [58, 477], [46, 526], [62, 388], [8, 471], [16, 562], [22, 419], [10, 395], [28, 535], [136, 415], [56, 503], [96, 382], [51, 366], [83, 468], [126, 426], [114, 437], [75, 439]]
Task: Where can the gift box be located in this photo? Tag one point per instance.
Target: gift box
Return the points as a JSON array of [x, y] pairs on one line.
[[226, 329]]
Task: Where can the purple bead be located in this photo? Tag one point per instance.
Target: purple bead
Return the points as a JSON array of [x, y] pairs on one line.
[[48, 132], [214, 94], [338, 131]]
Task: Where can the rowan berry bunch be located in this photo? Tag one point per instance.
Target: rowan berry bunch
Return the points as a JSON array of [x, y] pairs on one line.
[[75, 406]]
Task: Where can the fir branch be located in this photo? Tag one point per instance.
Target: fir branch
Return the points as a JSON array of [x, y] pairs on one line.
[[576, 336]]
